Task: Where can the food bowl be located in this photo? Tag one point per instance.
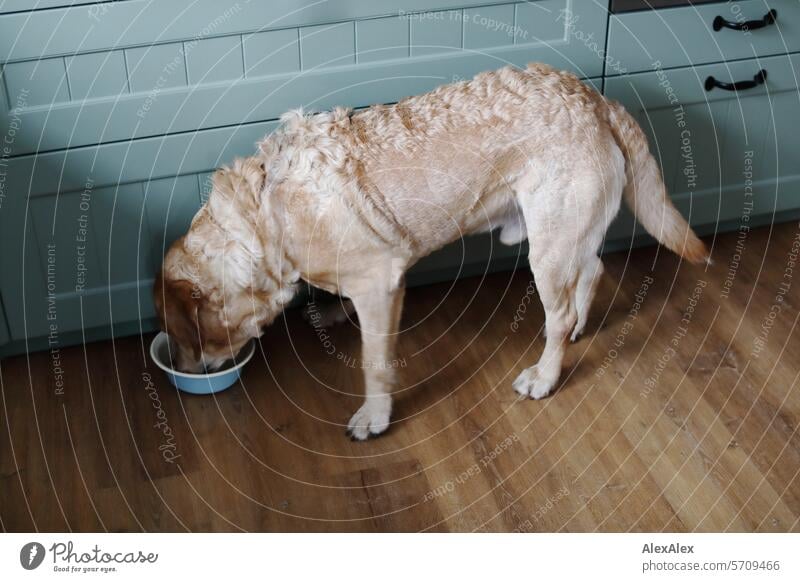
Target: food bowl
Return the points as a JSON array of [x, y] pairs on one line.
[[199, 383]]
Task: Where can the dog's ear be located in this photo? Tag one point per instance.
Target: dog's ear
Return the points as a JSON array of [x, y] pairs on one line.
[[252, 171], [245, 177], [177, 304]]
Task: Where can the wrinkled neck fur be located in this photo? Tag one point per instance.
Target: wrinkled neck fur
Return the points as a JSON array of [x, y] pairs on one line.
[[274, 275], [244, 258]]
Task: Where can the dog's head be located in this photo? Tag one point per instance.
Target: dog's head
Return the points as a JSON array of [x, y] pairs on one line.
[[219, 284], [194, 318]]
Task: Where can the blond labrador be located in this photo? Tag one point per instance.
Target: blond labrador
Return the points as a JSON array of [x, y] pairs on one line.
[[349, 202]]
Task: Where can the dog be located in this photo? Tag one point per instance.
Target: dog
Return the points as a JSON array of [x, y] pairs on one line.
[[348, 202]]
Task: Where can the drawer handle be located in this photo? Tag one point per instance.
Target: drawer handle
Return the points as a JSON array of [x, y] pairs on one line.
[[759, 79], [769, 18]]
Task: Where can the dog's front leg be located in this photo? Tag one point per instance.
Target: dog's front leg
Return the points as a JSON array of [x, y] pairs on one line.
[[379, 319]]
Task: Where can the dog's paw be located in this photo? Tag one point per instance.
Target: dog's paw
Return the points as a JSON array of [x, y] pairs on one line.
[[577, 331], [531, 383], [371, 419], [328, 314]]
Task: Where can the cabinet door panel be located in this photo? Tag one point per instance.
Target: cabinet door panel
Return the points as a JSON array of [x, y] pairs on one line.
[[123, 235], [93, 245], [68, 252], [171, 204], [724, 154]]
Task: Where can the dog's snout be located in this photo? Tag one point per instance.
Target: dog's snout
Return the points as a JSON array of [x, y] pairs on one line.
[[187, 364]]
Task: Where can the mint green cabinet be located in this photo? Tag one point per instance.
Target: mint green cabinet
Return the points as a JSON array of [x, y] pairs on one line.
[[724, 154], [120, 110], [114, 114]]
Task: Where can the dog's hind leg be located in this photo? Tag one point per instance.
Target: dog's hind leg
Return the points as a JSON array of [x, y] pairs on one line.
[[566, 217], [556, 287], [588, 279]]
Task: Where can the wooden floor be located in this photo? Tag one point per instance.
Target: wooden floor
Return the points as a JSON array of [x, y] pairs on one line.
[[678, 411]]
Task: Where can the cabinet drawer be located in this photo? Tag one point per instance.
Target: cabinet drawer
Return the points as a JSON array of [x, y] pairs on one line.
[[724, 154], [684, 36]]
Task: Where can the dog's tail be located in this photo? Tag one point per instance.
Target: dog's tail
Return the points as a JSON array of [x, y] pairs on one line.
[[645, 192]]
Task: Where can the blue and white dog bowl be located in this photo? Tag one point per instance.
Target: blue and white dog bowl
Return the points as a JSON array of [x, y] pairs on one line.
[[199, 383]]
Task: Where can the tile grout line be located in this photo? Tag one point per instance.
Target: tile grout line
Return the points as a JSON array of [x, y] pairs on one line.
[[127, 70], [244, 60], [355, 41], [185, 63], [514, 39], [300, 48], [408, 38], [66, 77], [6, 91], [463, 26], [199, 188]]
